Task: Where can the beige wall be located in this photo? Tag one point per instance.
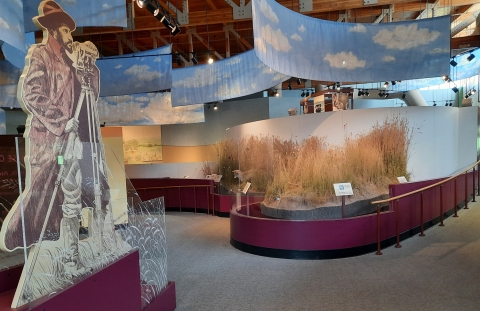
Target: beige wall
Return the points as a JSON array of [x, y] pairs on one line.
[[172, 154]]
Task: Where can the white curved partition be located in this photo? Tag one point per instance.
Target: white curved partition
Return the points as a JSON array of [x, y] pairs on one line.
[[444, 138]]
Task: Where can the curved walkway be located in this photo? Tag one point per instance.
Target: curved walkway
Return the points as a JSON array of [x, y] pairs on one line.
[[440, 271]]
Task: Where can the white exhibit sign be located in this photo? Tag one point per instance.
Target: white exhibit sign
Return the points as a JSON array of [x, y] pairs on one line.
[[342, 189], [245, 189], [218, 178], [402, 179]]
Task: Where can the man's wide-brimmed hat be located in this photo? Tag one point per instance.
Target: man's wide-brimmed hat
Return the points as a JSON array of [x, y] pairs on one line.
[[52, 15]]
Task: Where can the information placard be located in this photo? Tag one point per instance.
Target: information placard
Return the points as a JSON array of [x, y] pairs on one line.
[[245, 189], [343, 189], [402, 179]]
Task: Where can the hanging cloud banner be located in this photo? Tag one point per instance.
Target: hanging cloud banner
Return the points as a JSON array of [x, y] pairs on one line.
[[310, 48], [146, 109], [143, 72], [9, 76], [11, 24], [232, 77], [84, 12]]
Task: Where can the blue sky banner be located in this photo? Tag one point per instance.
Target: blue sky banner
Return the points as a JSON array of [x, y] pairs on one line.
[[143, 72], [233, 77], [15, 56], [146, 109], [11, 24], [310, 48], [83, 12], [8, 96]]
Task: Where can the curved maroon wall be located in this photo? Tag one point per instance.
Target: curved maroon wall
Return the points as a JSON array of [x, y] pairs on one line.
[[323, 235]]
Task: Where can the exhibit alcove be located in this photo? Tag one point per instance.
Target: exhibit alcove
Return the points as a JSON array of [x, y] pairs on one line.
[[440, 143]]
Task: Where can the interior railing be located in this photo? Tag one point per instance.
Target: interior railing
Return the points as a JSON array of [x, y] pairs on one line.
[[440, 184]]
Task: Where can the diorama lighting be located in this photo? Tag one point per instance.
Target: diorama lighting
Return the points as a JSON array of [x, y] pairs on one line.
[[152, 8], [210, 60], [455, 89], [299, 81], [367, 93], [394, 82], [308, 93], [471, 57], [303, 93], [290, 87], [450, 104], [446, 78], [473, 91], [140, 3], [453, 63], [215, 107], [385, 85]]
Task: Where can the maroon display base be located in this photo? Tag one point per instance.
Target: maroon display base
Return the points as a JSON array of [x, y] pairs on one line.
[[255, 233], [116, 287]]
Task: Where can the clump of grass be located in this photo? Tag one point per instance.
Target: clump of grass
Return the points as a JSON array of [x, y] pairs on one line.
[[304, 173]]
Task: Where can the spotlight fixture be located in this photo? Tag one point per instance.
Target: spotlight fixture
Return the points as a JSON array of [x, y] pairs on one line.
[[303, 93], [290, 87], [208, 106], [194, 59], [215, 107], [385, 85], [210, 60], [455, 89], [405, 94], [434, 103], [360, 93], [394, 82], [140, 3], [446, 79], [274, 93], [446, 104], [338, 86], [470, 57], [470, 93], [299, 81], [366, 93], [450, 104], [453, 63]]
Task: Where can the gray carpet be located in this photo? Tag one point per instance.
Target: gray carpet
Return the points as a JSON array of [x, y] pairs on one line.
[[440, 271]]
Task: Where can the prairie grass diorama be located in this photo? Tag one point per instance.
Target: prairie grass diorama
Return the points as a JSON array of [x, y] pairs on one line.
[[301, 174]]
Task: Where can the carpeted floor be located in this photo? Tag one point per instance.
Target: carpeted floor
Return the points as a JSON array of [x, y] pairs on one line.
[[440, 271]]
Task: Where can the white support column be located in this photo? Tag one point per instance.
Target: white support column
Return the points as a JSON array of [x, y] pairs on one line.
[[386, 12], [182, 16], [429, 10], [242, 11]]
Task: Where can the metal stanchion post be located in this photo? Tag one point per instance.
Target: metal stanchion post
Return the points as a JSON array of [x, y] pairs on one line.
[[397, 225], [378, 231], [441, 206], [421, 214]]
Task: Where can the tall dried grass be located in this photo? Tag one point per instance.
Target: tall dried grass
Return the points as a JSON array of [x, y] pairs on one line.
[[304, 173]]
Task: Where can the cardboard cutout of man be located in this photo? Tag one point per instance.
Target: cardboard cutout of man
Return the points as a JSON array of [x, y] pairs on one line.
[[58, 90]]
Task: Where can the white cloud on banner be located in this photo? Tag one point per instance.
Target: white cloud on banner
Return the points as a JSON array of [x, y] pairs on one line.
[[358, 28], [157, 59], [438, 50], [234, 60], [203, 76], [118, 66], [106, 6], [69, 2], [301, 28], [296, 37], [232, 90], [3, 24], [268, 12], [344, 60], [143, 73], [260, 45], [131, 110], [276, 39], [388, 58], [405, 37]]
